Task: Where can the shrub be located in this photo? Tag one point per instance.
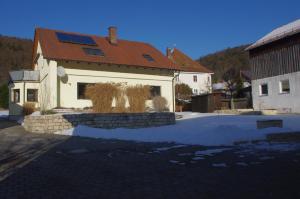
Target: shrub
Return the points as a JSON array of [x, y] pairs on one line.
[[137, 96], [28, 108], [102, 95], [4, 96], [160, 104], [183, 91]]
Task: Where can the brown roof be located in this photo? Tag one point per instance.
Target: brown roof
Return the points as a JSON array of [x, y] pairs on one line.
[[124, 53], [186, 63]]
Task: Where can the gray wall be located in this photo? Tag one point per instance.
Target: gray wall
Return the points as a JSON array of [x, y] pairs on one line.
[[288, 102], [59, 122]]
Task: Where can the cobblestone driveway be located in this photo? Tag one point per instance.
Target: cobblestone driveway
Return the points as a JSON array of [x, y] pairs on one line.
[[60, 167]]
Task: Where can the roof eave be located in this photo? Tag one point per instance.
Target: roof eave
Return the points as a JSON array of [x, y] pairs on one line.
[[95, 62]]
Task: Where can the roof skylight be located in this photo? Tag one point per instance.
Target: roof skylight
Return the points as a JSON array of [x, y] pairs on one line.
[[148, 57], [93, 51]]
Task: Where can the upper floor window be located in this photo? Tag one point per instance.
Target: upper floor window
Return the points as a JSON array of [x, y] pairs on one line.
[[284, 86], [264, 89], [16, 95], [195, 78], [32, 95]]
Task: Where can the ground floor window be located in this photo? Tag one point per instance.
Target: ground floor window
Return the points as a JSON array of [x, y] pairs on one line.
[[264, 89], [284, 86], [155, 91], [81, 88], [16, 95], [32, 95]]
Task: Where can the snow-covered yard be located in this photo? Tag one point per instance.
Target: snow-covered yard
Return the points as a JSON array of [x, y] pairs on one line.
[[4, 114], [196, 129]]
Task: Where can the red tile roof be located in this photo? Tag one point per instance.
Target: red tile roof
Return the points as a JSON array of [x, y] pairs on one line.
[[186, 63], [124, 53]]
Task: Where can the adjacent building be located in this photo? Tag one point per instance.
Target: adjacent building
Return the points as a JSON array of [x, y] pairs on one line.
[[275, 64], [64, 63], [191, 72]]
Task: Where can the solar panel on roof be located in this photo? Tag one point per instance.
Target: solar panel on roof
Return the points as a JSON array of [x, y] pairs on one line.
[[93, 51], [148, 57], [75, 39]]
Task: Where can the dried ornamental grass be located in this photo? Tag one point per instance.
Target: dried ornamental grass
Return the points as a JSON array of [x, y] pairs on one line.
[[102, 95], [28, 108], [120, 100], [137, 96], [160, 104]]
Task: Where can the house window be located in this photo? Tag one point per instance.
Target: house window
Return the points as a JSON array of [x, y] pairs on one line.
[[195, 91], [32, 95], [81, 88], [195, 78], [264, 89], [284, 86], [16, 95], [154, 91]]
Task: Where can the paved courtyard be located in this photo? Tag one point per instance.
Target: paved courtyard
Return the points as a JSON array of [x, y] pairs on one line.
[[53, 166]]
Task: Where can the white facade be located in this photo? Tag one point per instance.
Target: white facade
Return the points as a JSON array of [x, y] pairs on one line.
[[54, 91], [276, 98], [200, 83]]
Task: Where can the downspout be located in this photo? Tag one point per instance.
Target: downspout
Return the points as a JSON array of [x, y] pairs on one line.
[[173, 90], [23, 93]]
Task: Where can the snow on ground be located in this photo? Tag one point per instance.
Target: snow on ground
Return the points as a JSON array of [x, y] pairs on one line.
[[4, 114], [196, 129], [211, 152], [168, 148], [219, 165]]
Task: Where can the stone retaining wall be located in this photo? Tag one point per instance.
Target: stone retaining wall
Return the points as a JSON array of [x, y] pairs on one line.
[[59, 122]]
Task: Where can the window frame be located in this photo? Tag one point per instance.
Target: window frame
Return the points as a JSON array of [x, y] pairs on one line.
[[261, 89], [14, 95], [281, 89], [35, 95], [152, 95]]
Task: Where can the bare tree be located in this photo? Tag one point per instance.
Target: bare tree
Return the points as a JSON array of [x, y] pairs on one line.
[[231, 79]]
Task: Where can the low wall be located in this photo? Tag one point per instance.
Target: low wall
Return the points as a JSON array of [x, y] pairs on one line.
[[59, 122]]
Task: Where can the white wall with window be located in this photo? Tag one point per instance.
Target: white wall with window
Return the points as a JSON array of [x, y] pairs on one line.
[[20, 93], [71, 92], [280, 92], [200, 83]]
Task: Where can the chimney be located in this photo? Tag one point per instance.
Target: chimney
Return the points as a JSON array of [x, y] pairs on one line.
[[169, 53], [112, 35]]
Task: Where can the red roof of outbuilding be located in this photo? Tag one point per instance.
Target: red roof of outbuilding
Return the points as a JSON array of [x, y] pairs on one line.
[[124, 53], [186, 63]]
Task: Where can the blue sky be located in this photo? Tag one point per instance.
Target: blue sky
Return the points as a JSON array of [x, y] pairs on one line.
[[196, 27]]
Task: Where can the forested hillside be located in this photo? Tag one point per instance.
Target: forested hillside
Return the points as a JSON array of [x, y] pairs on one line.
[[15, 54], [221, 61]]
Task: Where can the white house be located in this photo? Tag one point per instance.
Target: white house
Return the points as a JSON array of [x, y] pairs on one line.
[[275, 64], [65, 63], [191, 73]]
